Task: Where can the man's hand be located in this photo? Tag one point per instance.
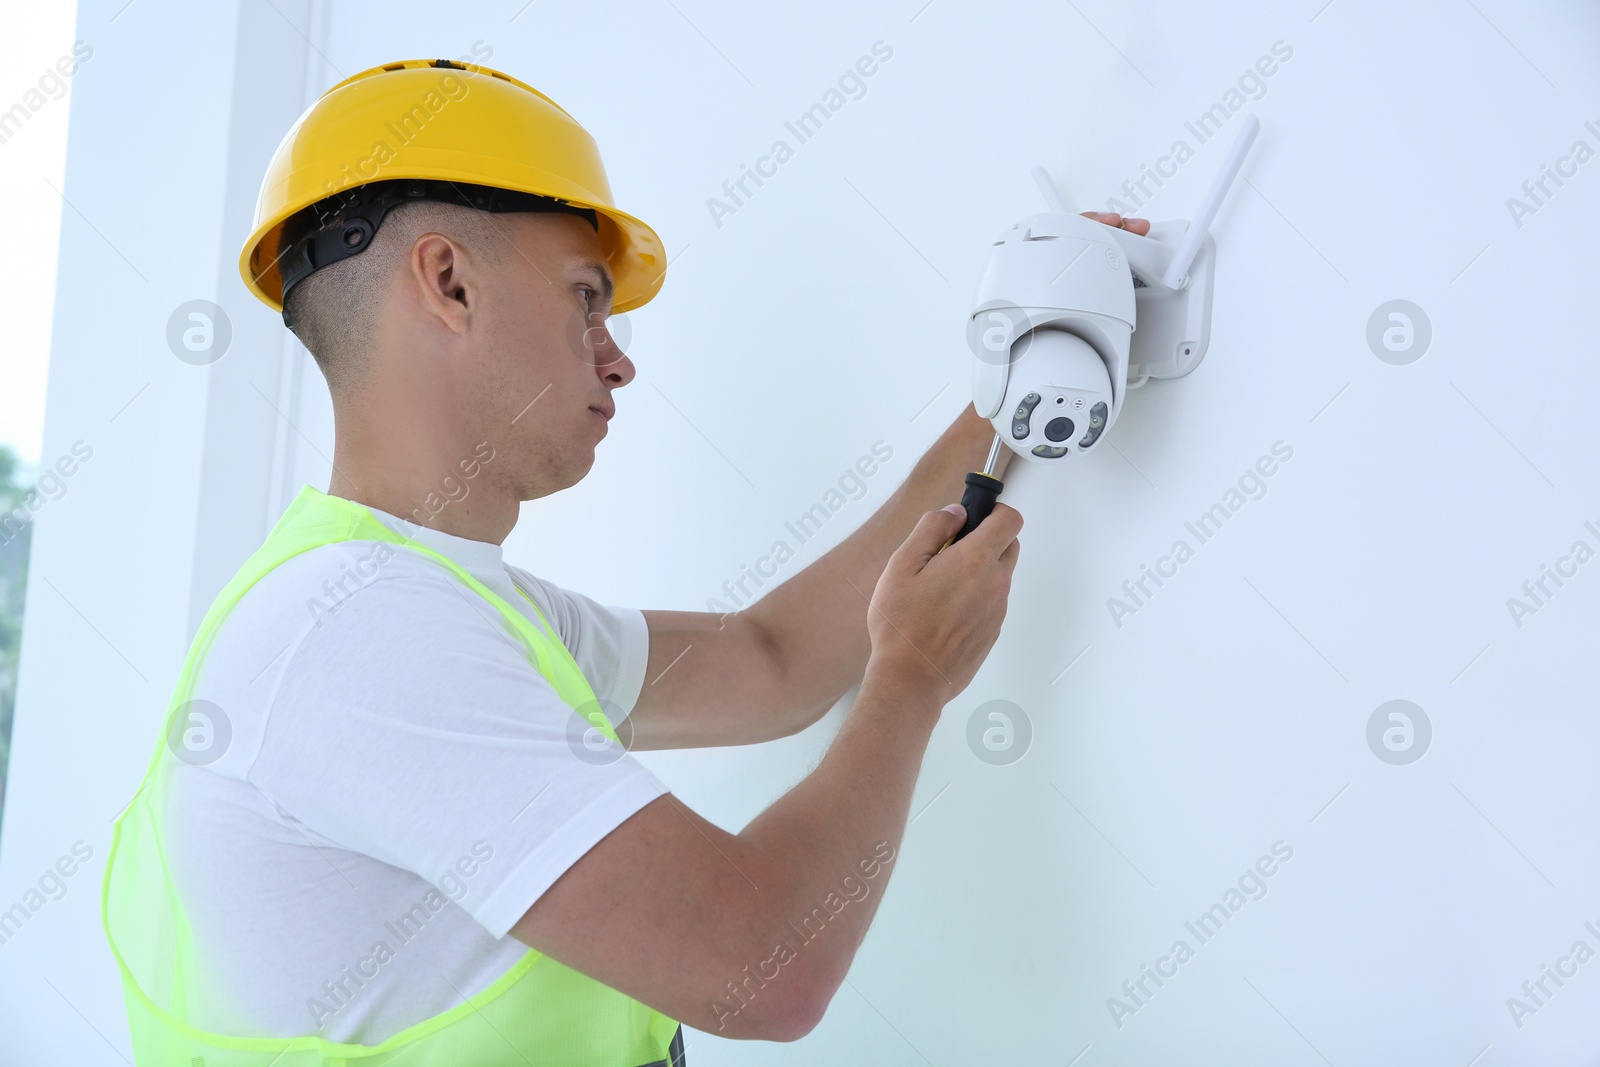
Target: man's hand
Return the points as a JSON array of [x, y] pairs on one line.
[[1111, 218], [935, 614]]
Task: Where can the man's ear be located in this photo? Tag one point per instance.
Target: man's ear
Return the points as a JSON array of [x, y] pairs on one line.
[[444, 281]]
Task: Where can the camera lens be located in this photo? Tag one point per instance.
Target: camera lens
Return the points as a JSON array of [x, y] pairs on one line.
[[1058, 429]]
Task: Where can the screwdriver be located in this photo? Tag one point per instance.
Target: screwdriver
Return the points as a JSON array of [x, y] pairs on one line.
[[983, 488]]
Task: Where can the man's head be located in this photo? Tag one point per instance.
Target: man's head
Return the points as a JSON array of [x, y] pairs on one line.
[[456, 326]]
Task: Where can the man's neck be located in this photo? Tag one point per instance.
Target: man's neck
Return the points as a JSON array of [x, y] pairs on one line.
[[486, 512]]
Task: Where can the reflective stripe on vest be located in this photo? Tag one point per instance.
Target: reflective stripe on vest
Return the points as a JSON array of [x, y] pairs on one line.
[[538, 1013]]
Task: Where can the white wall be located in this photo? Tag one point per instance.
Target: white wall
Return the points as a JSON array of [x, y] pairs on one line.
[[1227, 714]]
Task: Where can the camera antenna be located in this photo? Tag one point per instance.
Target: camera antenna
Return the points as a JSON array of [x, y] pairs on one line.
[[1177, 273]]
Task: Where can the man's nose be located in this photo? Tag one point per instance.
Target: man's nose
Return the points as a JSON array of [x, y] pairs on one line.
[[610, 362]]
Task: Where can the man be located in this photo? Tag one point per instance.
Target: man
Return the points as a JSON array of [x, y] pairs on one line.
[[407, 823]]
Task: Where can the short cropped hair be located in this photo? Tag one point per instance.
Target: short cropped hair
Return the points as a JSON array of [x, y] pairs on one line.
[[335, 309]]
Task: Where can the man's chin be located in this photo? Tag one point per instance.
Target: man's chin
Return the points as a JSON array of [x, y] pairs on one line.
[[582, 465]]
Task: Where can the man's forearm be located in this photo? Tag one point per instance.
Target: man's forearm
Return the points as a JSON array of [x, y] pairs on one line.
[[818, 618], [826, 848]]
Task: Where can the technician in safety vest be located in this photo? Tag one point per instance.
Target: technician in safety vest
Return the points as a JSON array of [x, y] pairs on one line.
[[392, 819]]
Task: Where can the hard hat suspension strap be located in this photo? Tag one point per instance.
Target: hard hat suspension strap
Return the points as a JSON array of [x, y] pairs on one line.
[[344, 224]]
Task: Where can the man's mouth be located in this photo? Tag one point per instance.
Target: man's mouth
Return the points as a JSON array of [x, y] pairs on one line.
[[606, 412]]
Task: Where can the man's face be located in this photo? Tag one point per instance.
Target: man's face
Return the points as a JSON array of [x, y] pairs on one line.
[[551, 365]]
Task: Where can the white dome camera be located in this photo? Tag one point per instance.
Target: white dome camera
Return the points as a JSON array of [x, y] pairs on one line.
[[1071, 313], [1058, 395]]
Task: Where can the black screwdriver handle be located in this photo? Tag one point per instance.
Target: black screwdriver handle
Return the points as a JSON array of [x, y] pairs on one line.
[[981, 493]]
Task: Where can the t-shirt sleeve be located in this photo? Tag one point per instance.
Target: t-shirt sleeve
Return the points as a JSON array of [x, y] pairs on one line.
[[611, 644], [410, 725]]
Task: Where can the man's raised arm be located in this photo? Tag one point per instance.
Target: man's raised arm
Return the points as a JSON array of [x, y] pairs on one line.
[[749, 935]]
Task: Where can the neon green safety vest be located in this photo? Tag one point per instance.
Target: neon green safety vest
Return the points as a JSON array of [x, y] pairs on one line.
[[540, 1013]]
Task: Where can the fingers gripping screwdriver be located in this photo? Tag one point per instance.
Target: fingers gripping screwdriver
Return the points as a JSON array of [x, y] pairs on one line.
[[983, 489]]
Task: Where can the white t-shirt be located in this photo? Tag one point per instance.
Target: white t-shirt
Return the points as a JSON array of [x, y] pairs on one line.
[[397, 784]]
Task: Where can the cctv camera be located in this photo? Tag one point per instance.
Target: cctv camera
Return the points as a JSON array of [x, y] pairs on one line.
[[1058, 396]]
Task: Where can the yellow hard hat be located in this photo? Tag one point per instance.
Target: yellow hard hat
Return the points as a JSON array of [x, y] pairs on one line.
[[433, 129]]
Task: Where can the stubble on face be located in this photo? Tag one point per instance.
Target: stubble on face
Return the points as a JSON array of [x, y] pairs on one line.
[[538, 377]]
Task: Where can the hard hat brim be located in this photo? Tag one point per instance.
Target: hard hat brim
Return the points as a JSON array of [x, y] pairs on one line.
[[631, 248], [506, 131]]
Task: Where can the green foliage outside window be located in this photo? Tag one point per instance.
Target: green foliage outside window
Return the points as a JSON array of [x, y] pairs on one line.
[[16, 532]]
